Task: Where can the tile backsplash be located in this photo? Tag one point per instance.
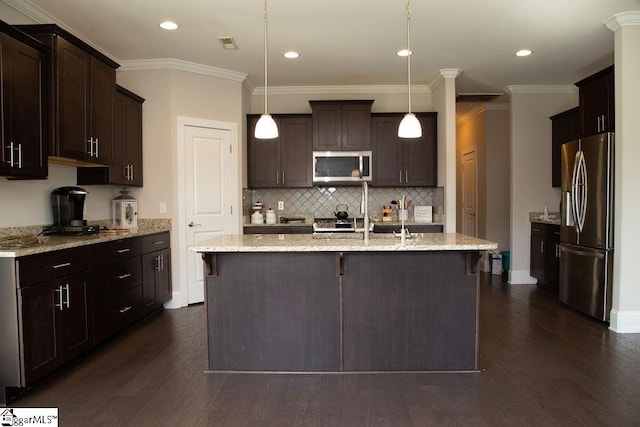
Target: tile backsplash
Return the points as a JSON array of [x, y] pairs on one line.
[[321, 201]]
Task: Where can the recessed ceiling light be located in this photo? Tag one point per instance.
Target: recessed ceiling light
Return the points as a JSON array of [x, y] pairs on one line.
[[404, 52], [291, 54], [523, 52], [228, 43], [168, 25]]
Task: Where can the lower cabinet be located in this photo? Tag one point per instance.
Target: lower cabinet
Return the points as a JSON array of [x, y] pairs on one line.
[[59, 304], [56, 323], [545, 254]]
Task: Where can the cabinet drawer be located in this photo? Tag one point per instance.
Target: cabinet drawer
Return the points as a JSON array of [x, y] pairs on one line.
[[551, 231], [112, 279], [51, 265], [107, 252], [116, 313], [155, 242]]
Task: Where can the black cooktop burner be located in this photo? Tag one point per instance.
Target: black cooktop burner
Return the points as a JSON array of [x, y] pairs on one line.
[[71, 230]]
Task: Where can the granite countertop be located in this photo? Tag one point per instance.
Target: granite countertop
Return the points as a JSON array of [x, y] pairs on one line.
[[321, 243], [553, 218], [54, 243]]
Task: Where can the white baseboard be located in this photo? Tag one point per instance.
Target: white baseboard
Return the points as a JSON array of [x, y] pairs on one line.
[[521, 277], [625, 322], [175, 301]]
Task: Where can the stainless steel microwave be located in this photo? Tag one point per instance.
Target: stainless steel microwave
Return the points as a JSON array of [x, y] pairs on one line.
[[341, 166]]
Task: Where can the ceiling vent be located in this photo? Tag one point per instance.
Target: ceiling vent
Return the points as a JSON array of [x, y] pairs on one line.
[[228, 43]]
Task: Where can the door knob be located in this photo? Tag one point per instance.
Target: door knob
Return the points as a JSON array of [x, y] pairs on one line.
[[192, 224]]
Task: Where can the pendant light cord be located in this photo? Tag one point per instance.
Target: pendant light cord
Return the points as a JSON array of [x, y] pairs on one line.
[[409, 53], [265, 57]]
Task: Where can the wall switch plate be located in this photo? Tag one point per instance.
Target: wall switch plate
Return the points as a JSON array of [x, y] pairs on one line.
[[163, 207], [280, 205]]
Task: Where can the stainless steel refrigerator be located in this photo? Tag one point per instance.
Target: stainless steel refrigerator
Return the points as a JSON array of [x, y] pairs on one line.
[[586, 231]]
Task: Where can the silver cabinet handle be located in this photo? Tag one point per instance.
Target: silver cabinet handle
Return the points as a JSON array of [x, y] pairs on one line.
[[541, 246], [125, 309], [60, 303], [97, 146], [158, 242], [277, 177], [123, 276], [406, 176], [193, 224], [283, 180], [400, 176], [131, 172], [65, 264], [66, 289], [122, 251], [19, 156], [90, 142], [10, 147]]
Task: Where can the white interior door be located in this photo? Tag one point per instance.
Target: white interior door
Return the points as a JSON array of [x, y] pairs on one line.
[[211, 194], [469, 194]]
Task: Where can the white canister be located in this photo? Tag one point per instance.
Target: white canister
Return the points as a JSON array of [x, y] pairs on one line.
[[257, 218], [271, 216]]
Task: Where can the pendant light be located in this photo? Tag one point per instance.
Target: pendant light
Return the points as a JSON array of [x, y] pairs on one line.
[[266, 127], [409, 126]]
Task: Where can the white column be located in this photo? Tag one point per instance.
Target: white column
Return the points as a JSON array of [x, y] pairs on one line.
[[443, 90], [625, 313]]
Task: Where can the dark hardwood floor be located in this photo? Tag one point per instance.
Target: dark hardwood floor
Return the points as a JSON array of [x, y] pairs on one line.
[[540, 364]]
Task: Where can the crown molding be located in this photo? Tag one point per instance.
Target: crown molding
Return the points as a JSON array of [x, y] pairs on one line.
[[445, 73], [509, 90], [315, 90], [498, 106], [622, 19], [178, 64]]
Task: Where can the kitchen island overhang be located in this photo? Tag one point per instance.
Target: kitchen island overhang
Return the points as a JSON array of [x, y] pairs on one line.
[[298, 303]]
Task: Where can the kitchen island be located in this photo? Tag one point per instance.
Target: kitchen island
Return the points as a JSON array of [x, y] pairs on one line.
[[306, 303]]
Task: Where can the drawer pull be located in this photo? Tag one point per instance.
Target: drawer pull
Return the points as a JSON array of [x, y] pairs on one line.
[[65, 264], [123, 276], [125, 309], [122, 251], [158, 242]]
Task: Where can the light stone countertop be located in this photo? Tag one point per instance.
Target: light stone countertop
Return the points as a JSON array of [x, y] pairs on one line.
[[55, 243], [319, 243]]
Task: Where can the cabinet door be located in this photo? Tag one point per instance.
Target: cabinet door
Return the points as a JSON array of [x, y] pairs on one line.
[[24, 151], [163, 276], [156, 279], [420, 155], [77, 336], [42, 351], [552, 263], [565, 127], [295, 150], [537, 257], [327, 127], [102, 100], [264, 158], [356, 127], [387, 151], [126, 168], [72, 68], [597, 103]]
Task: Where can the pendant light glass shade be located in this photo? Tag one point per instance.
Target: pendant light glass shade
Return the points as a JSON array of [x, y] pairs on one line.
[[409, 126], [266, 127]]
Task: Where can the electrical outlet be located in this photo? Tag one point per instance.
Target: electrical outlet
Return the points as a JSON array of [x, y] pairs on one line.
[[163, 207], [280, 205]]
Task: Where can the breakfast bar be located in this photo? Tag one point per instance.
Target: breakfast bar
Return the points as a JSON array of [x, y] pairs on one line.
[[312, 303]]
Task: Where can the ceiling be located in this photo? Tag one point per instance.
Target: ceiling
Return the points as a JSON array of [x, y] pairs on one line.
[[353, 42]]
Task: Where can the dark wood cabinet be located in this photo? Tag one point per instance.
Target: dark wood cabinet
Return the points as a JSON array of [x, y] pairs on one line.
[[126, 168], [401, 162], [156, 271], [597, 107], [284, 161], [24, 105], [565, 127], [545, 254], [55, 314], [83, 83], [341, 125]]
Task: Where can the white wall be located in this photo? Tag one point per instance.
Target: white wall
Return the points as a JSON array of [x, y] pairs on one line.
[[531, 187], [625, 313]]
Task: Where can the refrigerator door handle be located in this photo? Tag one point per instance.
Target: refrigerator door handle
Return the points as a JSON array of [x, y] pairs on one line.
[[574, 192], [582, 188]]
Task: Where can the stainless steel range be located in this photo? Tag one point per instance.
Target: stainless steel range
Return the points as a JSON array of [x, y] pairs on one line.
[[333, 225]]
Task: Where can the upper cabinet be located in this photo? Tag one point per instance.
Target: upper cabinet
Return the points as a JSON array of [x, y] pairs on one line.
[[565, 127], [404, 162], [126, 168], [24, 105], [284, 161], [597, 103], [82, 97], [341, 125]]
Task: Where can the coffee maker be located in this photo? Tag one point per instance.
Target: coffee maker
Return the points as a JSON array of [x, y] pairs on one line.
[[67, 206]]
